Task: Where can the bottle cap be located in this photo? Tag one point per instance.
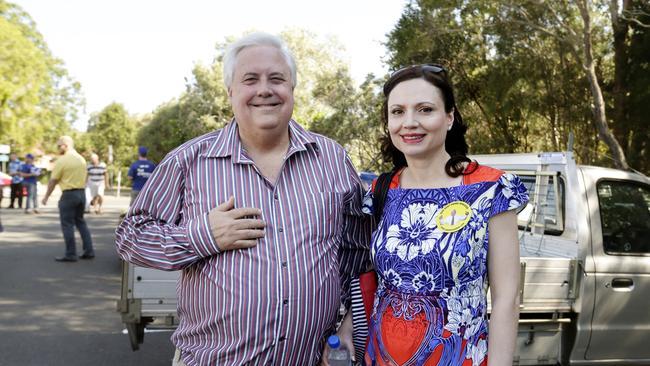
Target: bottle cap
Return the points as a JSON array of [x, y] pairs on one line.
[[333, 341]]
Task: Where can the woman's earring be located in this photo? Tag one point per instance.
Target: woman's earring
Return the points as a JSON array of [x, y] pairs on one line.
[[449, 128]]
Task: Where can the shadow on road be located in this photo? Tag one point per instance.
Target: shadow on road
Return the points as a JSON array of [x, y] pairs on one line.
[[55, 313]]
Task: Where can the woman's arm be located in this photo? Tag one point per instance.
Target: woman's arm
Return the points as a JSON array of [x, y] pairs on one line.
[[503, 272]]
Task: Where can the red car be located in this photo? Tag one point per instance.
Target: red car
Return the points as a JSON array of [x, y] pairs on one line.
[[5, 179]]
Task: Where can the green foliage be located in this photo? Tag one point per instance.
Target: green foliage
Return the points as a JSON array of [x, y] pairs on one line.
[[518, 72], [38, 101], [112, 126], [202, 108], [354, 118]]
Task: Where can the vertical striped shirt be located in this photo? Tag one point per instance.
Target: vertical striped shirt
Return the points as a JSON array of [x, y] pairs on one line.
[[272, 304]]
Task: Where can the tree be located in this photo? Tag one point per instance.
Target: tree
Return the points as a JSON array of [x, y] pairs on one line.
[[578, 35], [38, 100], [630, 107], [354, 118], [527, 74], [113, 126], [202, 108]]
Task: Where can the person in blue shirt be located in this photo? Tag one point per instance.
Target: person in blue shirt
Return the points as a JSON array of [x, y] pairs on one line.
[[140, 171], [30, 174], [16, 181]]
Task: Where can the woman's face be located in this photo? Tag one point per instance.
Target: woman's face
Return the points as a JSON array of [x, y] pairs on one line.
[[417, 121]]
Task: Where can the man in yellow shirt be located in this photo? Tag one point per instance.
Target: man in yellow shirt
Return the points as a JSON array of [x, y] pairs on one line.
[[70, 174]]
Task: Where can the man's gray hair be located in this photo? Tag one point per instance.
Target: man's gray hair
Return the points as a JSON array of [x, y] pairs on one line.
[[256, 39], [67, 140]]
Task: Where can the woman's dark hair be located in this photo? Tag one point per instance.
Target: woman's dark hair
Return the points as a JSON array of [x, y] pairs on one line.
[[455, 143]]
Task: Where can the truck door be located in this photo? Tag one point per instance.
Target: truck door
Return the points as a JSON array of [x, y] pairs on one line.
[[620, 217]]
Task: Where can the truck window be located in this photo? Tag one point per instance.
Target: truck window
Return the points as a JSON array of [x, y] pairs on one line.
[[625, 217], [549, 202]]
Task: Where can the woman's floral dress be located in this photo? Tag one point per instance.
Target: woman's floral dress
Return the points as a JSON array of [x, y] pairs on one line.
[[430, 254]]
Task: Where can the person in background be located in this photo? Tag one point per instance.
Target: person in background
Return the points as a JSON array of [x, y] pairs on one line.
[[264, 219], [97, 181], [30, 174], [16, 181], [70, 174], [447, 226], [139, 172]]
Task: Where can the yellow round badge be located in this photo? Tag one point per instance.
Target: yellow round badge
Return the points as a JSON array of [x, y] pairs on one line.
[[454, 216]]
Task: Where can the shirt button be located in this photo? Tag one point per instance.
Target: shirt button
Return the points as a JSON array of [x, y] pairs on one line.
[[285, 301], [275, 196], [280, 230], [283, 338], [284, 264]]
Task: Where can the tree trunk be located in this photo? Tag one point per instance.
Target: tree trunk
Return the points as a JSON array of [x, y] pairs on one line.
[[620, 28], [598, 109]]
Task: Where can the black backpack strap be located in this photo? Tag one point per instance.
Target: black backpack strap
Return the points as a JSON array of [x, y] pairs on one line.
[[380, 193]]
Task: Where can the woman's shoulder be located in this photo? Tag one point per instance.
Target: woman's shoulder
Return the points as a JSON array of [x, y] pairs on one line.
[[394, 181], [476, 173]]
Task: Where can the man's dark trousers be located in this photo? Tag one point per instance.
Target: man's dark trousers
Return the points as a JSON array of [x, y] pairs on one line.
[[71, 212], [16, 193]]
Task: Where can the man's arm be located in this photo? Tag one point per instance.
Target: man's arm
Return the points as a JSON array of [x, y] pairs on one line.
[[106, 182], [50, 188], [155, 234], [131, 172], [354, 254]]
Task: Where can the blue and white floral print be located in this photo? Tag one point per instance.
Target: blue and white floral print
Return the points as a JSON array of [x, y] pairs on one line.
[[416, 232]]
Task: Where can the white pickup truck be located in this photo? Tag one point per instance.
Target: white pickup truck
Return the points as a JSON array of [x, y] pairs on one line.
[[585, 266]]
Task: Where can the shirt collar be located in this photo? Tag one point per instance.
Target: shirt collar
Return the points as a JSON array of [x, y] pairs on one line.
[[228, 142]]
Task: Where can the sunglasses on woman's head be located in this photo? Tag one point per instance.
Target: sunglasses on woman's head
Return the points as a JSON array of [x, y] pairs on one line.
[[434, 68]]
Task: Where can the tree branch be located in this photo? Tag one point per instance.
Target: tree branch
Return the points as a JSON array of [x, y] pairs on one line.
[[635, 21]]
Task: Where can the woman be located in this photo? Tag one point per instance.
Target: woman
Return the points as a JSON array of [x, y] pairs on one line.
[[431, 250]]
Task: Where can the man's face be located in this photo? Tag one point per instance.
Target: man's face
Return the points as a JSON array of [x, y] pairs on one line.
[[261, 92], [12, 157], [62, 146]]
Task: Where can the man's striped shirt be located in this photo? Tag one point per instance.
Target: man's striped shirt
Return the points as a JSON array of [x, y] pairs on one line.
[[268, 305]]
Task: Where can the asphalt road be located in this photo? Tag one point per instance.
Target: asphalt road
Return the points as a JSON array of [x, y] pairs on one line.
[[55, 313]]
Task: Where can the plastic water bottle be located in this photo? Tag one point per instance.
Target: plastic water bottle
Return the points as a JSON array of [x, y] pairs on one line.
[[339, 355]]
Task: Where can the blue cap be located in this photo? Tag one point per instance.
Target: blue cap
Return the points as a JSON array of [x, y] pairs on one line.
[[143, 151], [29, 156], [333, 341]]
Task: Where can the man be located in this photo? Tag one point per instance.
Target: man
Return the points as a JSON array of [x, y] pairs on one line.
[[30, 174], [259, 216], [140, 171], [97, 181], [16, 181], [70, 174]]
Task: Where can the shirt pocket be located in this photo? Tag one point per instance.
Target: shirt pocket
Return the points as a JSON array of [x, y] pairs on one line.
[[322, 216]]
